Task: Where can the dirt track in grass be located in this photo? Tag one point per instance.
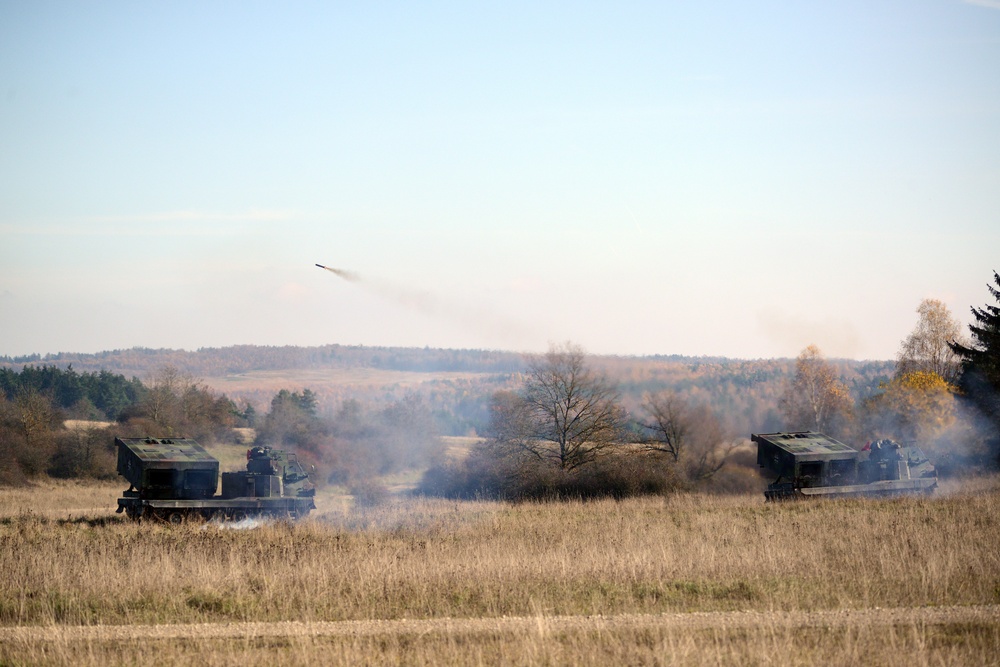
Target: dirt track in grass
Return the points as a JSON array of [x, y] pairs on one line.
[[983, 614]]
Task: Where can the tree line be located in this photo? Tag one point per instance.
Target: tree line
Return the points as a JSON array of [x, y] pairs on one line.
[[87, 395], [566, 430], [48, 427], [942, 395], [39, 405], [553, 424], [209, 362]]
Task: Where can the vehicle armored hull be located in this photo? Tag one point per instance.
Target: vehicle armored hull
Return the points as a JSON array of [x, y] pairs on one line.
[[810, 464], [173, 479]]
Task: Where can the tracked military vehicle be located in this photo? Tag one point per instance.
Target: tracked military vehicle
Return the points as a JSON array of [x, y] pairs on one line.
[[810, 464], [172, 479]]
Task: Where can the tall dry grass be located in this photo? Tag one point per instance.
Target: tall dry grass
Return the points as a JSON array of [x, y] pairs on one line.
[[906, 645], [432, 558], [60, 499]]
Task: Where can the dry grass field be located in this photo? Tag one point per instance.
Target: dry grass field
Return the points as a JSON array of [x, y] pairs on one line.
[[686, 579]]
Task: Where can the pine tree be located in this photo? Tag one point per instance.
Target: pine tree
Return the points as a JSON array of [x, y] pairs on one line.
[[980, 380]]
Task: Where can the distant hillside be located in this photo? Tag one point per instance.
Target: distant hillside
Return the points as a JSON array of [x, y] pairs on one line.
[[222, 361], [458, 383], [237, 359]]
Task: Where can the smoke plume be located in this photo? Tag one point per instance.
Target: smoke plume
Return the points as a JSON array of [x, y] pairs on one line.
[[469, 317], [349, 276]]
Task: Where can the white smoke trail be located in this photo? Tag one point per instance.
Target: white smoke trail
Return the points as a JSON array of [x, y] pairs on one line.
[[471, 318], [349, 276]]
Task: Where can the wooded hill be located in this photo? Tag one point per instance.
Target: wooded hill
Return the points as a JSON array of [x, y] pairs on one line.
[[456, 384], [221, 361]]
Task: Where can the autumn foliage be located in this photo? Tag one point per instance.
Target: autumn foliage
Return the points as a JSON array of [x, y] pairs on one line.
[[816, 399]]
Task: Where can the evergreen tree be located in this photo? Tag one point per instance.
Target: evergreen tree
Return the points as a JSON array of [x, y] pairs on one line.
[[980, 380], [292, 421]]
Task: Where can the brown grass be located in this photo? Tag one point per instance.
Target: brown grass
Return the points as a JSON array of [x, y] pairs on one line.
[[893, 646], [60, 499], [434, 559]]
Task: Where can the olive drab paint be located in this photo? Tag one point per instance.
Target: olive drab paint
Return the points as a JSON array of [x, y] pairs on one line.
[[813, 464], [174, 479]]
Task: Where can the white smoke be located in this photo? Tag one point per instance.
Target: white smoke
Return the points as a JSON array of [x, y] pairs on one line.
[[248, 523], [468, 317]]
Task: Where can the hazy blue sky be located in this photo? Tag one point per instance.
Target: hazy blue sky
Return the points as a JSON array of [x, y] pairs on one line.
[[707, 178]]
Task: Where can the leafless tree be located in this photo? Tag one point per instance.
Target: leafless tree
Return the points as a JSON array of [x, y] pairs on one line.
[[927, 347], [691, 435], [511, 423], [163, 400], [566, 414], [668, 423]]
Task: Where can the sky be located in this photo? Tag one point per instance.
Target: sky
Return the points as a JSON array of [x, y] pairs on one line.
[[738, 179]]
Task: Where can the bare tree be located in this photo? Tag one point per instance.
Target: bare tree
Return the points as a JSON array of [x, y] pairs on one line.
[[511, 423], [565, 415], [927, 347], [690, 434], [668, 423], [163, 400], [816, 397]]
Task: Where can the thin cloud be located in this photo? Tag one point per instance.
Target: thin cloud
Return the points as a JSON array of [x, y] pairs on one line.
[[252, 215], [167, 223], [992, 4], [116, 229]]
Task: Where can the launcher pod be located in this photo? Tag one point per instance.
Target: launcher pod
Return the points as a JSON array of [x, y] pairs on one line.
[[813, 464], [172, 479]]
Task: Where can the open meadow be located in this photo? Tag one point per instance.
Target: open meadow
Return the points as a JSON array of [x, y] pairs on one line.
[[683, 579]]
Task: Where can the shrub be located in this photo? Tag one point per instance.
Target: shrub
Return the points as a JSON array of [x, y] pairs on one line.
[[490, 473]]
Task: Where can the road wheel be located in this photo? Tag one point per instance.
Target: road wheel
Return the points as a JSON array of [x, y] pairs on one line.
[[176, 518], [239, 515]]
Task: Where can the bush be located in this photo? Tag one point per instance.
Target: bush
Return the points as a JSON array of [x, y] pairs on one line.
[[368, 492], [83, 453], [488, 473]]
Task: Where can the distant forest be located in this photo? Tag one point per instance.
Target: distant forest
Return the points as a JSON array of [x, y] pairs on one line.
[[357, 412], [218, 361], [745, 393], [351, 431]]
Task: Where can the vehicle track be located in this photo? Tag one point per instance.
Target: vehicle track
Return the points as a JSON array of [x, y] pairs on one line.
[[986, 614]]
